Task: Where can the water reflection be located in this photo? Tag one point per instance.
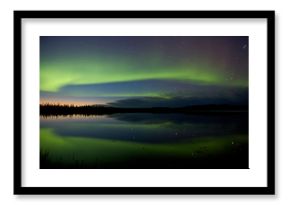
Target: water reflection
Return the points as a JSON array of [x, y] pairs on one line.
[[175, 140], [149, 128]]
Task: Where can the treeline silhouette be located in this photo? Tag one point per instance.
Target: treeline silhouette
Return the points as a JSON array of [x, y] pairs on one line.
[[57, 109]]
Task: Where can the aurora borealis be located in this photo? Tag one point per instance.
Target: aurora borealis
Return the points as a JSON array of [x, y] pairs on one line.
[[146, 89], [144, 71]]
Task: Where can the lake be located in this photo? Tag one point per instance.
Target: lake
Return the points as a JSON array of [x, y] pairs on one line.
[[145, 141]]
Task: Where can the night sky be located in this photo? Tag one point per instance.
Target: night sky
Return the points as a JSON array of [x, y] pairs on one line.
[[144, 71]]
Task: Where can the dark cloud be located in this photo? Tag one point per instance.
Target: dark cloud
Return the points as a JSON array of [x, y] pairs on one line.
[[163, 93], [241, 99]]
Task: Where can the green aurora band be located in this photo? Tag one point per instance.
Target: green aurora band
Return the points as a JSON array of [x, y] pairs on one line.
[[54, 75], [209, 61]]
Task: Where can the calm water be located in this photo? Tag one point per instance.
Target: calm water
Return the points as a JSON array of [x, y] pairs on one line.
[[137, 140]]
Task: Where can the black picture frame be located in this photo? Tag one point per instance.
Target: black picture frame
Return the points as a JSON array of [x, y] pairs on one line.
[[268, 15]]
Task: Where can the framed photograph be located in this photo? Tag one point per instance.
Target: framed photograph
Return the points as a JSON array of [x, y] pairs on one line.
[[144, 102]]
